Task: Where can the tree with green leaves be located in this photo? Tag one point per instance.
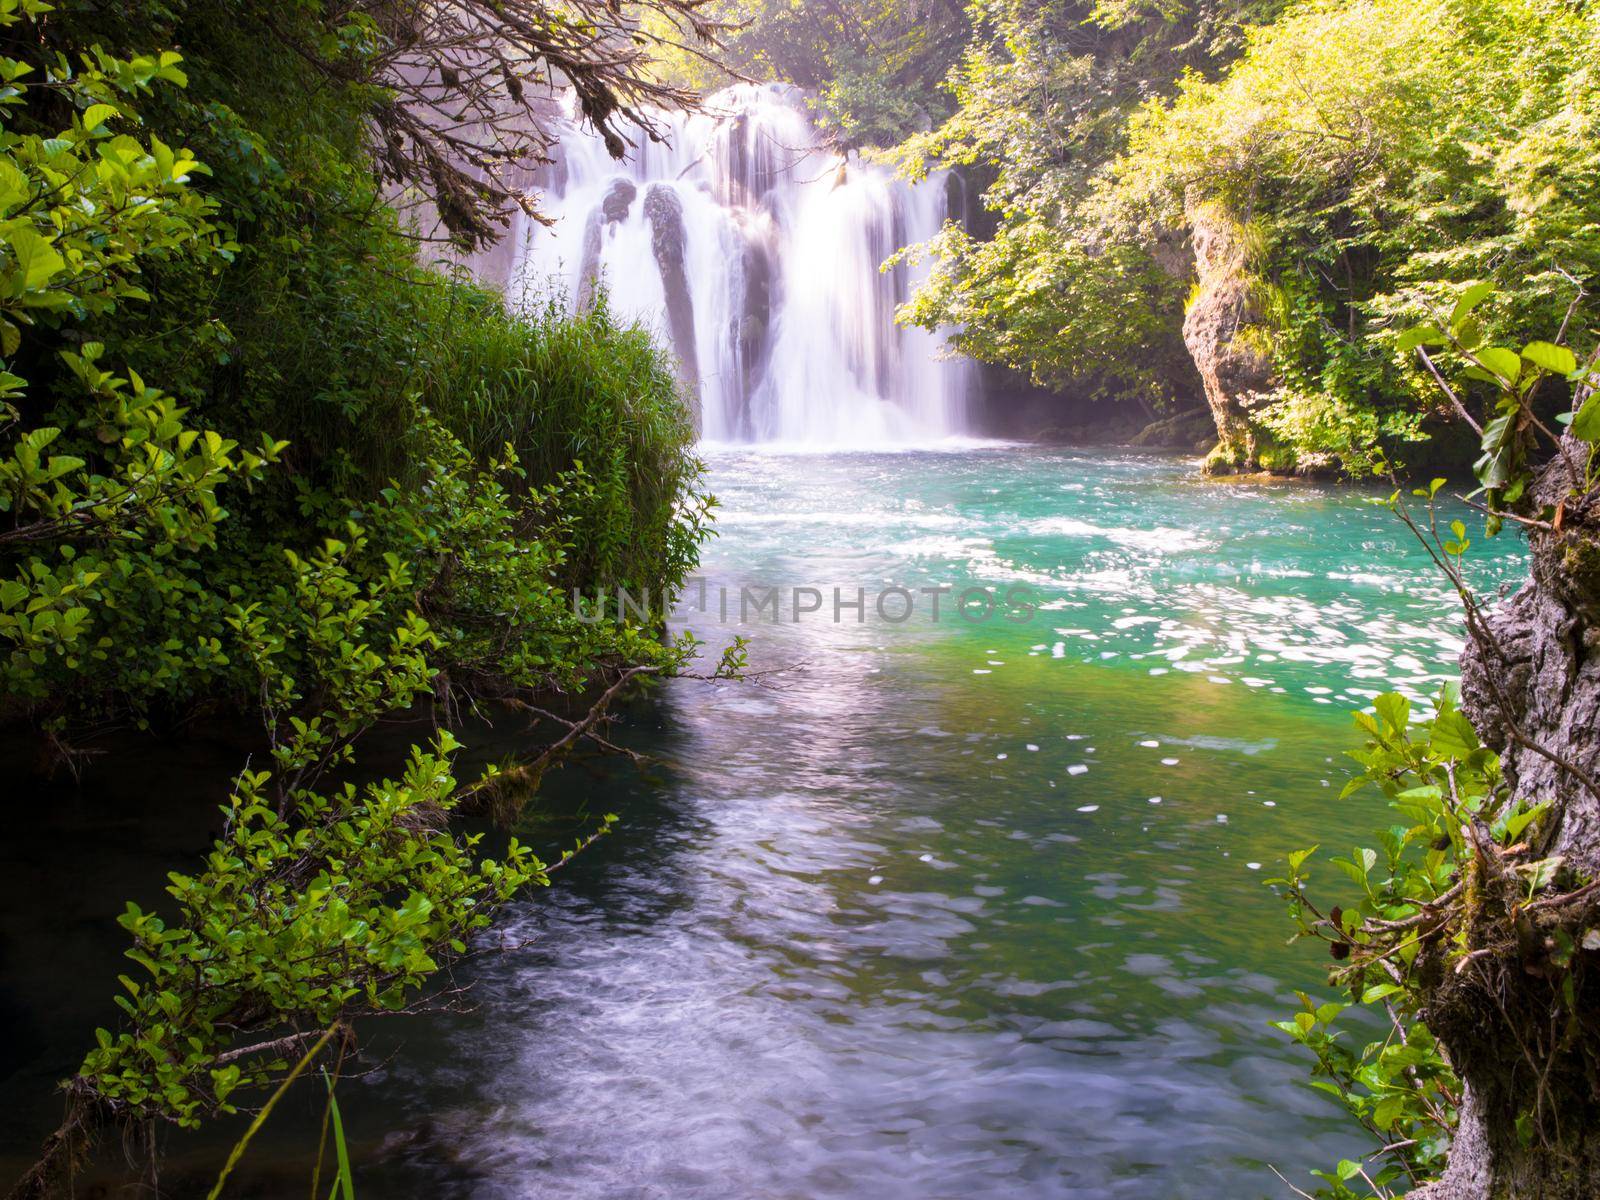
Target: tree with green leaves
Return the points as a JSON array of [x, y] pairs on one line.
[[872, 69], [255, 453], [1188, 205]]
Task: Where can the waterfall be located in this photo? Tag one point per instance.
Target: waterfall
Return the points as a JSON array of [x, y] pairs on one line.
[[753, 253]]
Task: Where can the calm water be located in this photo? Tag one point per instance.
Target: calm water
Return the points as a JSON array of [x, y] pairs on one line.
[[943, 909]]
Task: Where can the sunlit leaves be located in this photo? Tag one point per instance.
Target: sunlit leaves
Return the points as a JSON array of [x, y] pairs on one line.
[[1586, 421], [1438, 777], [1558, 360]]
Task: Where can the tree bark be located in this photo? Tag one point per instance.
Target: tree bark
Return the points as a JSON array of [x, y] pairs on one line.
[[1528, 1054]]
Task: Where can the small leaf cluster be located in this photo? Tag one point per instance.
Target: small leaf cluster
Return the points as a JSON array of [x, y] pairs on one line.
[[344, 905], [1442, 782], [1513, 378]]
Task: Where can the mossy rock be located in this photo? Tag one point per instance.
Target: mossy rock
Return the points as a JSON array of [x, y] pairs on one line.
[[1261, 453]]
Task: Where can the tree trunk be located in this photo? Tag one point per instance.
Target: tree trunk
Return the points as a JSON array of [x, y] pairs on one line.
[[1530, 1055]]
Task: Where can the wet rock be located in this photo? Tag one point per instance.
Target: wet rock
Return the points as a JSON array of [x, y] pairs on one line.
[[1190, 430], [613, 208], [753, 329], [589, 261], [664, 211], [618, 200]]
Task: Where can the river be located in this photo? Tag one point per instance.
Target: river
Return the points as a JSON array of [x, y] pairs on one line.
[[953, 908], [927, 909]]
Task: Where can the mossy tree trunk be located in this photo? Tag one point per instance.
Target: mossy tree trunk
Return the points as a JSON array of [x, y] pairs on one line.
[[1522, 1024]]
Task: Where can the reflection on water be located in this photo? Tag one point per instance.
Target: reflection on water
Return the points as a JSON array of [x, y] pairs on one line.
[[953, 909]]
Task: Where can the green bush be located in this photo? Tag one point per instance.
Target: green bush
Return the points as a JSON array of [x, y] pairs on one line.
[[194, 260]]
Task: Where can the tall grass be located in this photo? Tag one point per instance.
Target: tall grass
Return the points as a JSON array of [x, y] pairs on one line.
[[339, 361], [565, 389]]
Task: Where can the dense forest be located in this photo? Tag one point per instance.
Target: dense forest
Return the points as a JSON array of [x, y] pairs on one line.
[[267, 448], [1245, 204]]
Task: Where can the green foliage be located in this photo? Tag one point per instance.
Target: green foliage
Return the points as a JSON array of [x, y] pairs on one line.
[[127, 546], [1382, 154], [314, 904], [1463, 874], [1416, 895], [341, 905], [83, 205], [432, 473], [1511, 380], [872, 67], [1383, 177], [1398, 1085], [120, 484], [1065, 286], [576, 394]]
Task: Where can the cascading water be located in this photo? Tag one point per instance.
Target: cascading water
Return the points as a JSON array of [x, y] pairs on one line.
[[754, 253]]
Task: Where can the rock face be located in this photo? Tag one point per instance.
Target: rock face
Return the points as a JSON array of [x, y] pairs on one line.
[[1532, 678], [753, 324], [1220, 331], [1541, 676], [614, 207], [1185, 431], [664, 211]]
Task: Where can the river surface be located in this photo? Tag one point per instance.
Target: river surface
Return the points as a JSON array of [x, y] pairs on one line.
[[938, 908], [958, 908]]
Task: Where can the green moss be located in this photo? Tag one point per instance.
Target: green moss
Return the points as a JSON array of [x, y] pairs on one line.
[[1226, 458], [1580, 567], [1276, 457]]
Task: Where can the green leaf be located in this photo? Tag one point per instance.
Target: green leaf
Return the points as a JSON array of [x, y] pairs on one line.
[[1470, 299], [1556, 359], [97, 115], [1395, 709], [1421, 335], [1453, 736], [37, 259], [13, 184], [1506, 364], [1494, 468], [1586, 424], [1517, 822]]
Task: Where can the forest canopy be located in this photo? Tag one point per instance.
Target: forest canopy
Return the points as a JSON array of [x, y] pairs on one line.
[[1341, 165]]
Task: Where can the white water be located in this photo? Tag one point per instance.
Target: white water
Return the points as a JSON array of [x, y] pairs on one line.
[[782, 322]]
